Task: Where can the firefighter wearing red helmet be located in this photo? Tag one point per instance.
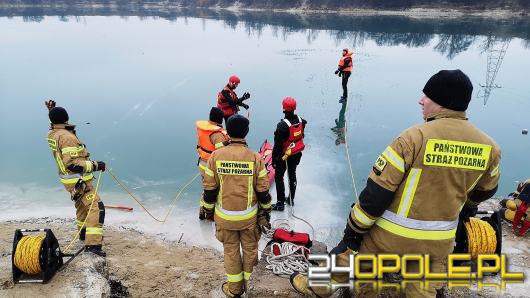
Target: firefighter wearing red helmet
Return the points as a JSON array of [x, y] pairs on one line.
[[227, 99], [287, 152]]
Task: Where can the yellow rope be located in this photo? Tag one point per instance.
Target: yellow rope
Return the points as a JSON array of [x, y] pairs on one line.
[[173, 204], [349, 159], [481, 237], [27, 254]]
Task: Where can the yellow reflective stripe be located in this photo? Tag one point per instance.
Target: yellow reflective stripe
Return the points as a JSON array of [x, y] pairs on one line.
[[247, 275], [394, 159], [78, 222], [60, 163], [262, 173], [53, 144], [361, 216], [408, 193], [206, 205], [220, 194], [474, 183], [94, 231], [495, 171], [88, 166], [250, 191], [74, 180], [413, 233], [206, 170], [234, 277], [72, 149], [236, 215], [266, 206], [219, 145]]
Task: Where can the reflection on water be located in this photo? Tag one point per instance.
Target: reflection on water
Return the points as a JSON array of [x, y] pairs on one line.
[[136, 86]]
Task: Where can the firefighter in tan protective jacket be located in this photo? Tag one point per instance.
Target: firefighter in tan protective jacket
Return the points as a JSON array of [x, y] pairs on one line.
[[76, 173], [236, 196], [210, 136], [422, 183]]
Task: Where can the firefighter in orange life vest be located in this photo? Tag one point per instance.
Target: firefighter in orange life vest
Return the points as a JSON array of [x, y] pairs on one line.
[[76, 174], [227, 99], [430, 177], [236, 194], [211, 136], [344, 70], [287, 152], [516, 211]]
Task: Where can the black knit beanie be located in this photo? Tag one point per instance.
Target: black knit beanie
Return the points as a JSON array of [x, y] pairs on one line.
[[58, 115], [216, 115], [450, 88], [237, 126]]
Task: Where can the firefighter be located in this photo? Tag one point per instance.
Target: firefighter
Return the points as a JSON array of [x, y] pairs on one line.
[[515, 209], [287, 152], [431, 175], [76, 174], [236, 197], [210, 137], [344, 71], [227, 99]]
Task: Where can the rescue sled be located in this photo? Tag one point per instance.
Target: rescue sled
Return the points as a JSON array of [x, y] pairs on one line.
[[266, 154]]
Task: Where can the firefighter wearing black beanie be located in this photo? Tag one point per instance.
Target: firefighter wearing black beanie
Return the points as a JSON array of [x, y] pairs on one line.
[[450, 88]]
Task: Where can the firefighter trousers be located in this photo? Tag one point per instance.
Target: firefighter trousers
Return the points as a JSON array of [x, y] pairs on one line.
[[292, 163], [239, 266], [411, 289], [96, 216], [345, 77]]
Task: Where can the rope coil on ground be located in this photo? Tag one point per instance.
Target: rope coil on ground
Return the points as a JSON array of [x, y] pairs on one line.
[[27, 254], [481, 237], [290, 260]]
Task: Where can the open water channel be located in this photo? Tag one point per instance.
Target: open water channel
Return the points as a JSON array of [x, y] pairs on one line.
[[135, 83]]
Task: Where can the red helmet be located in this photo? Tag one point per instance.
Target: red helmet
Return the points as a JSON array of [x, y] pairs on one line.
[[234, 79], [289, 104]]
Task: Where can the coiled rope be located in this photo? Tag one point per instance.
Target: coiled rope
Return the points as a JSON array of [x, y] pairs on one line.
[[481, 237], [172, 205], [27, 254], [290, 260]]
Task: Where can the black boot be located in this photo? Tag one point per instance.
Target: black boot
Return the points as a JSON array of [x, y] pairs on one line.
[[82, 235], [280, 206], [95, 249], [289, 201]]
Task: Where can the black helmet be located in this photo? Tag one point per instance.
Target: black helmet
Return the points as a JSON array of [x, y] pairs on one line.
[[237, 126], [58, 115]]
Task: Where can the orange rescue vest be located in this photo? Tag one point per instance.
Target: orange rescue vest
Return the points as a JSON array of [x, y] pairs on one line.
[[295, 142], [341, 62], [224, 105], [204, 145]]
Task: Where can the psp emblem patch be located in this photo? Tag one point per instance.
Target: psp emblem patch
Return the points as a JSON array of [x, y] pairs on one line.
[[380, 163]]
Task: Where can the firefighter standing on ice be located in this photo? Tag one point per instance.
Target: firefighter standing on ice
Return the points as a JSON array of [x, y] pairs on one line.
[[76, 174], [227, 99], [423, 182], [211, 136], [288, 147], [236, 195]]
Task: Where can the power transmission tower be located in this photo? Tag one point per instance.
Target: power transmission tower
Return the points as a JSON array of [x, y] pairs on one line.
[[496, 49]]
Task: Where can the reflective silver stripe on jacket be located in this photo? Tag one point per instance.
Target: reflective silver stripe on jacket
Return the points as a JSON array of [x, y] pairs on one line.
[[425, 225]]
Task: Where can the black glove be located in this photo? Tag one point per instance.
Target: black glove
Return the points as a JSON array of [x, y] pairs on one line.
[[467, 212], [352, 239], [50, 104], [208, 213], [244, 105], [246, 96], [336, 72], [340, 74], [99, 166]]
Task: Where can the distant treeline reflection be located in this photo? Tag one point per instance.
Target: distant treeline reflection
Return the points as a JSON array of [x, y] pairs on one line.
[[449, 36]]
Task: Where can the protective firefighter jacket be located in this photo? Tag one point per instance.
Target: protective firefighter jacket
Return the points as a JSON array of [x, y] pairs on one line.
[[70, 154], [420, 182], [236, 182]]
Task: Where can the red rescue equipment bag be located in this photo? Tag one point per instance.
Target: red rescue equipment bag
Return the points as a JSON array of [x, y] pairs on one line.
[[281, 235]]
